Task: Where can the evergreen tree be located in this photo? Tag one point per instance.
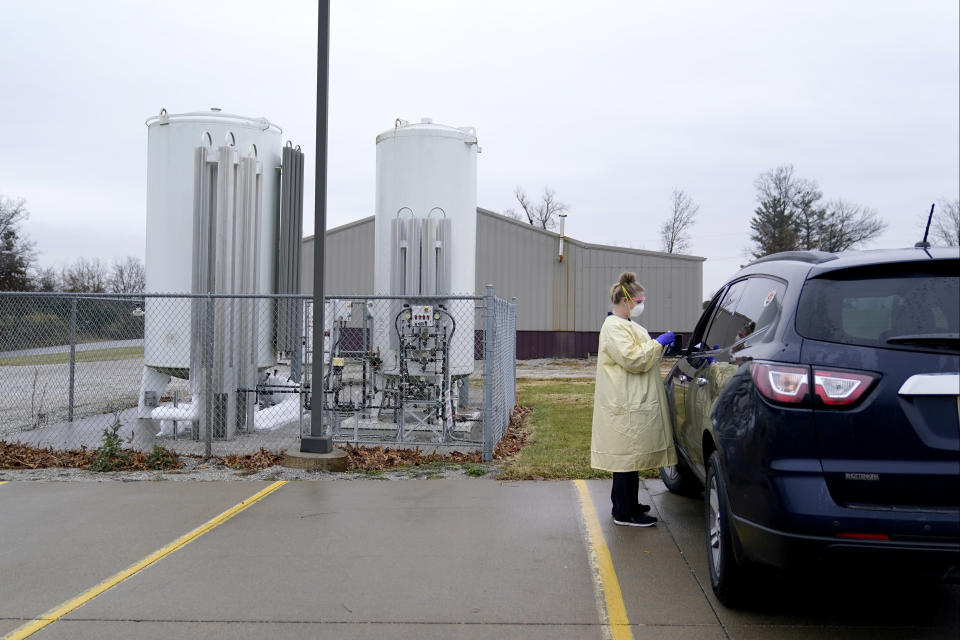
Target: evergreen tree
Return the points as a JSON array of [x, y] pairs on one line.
[[790, 217], [16, 252]]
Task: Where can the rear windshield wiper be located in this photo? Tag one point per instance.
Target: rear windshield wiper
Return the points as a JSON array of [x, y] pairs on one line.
[[951, 340]]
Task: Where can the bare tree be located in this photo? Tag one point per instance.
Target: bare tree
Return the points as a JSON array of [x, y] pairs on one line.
[[946, 222], [46, 279], [790, 217], [16, 251], [525, 205], [85, 275], [512, 213], [846, 225], [674, 232], [542, 214], [776, 224], [127, 276]]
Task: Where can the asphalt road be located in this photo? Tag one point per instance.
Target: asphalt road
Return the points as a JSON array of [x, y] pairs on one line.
[[465, 558]]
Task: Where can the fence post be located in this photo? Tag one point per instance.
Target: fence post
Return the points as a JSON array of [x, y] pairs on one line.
[[513, 349], [73, 356], [488, 356]]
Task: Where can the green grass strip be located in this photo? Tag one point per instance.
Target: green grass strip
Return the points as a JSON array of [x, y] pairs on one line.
[[93, 355], [560, 425]]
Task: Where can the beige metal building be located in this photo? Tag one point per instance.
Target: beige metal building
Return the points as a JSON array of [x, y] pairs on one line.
[[561, 302]]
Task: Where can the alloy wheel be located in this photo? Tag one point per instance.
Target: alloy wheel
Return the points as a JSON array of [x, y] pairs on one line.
[[715, 540]]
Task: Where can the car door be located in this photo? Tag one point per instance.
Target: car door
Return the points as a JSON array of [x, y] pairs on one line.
[[681, 378], [714, 334], [711, 368], [738, 318]]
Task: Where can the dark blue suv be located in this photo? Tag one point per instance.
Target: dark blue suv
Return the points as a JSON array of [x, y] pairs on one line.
[[817, 409]]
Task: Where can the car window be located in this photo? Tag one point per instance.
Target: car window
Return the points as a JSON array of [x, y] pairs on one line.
[[703, 323], [725, 324], [758, 309], [905, 310]]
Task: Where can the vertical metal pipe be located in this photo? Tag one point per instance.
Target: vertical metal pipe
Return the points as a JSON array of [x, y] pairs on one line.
[[296, 342], [318, 441], [209, 395], [488, 356], [73, 355]]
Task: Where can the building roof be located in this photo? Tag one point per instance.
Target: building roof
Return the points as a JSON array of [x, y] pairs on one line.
[[531, 228]]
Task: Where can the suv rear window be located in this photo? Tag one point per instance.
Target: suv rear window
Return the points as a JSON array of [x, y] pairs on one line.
[[909, 310]]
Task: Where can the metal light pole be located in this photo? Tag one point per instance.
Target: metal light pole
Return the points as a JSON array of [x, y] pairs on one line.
[[318, 441]]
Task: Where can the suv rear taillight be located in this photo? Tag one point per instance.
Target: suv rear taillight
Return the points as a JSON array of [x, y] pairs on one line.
[[840, 388], [781, 383], [786, 384]]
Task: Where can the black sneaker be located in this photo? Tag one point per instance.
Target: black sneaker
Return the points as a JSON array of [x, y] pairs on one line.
[[638, 520], [641, 509]]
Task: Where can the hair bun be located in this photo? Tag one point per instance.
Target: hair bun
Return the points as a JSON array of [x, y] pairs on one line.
[[627, 277]]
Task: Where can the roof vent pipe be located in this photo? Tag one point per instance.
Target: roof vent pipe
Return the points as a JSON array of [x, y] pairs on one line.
[[563, 219]]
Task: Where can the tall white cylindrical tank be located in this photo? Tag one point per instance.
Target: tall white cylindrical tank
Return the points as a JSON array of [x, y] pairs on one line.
[[429, 171], [172, 140]]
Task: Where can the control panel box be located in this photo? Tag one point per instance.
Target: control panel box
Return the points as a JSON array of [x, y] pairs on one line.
[[421, 316]]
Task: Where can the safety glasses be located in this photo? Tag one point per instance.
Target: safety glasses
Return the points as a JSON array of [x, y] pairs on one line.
[[627, 295]]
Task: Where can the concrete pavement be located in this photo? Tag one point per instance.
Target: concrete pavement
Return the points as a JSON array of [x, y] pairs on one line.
[[464, 558]]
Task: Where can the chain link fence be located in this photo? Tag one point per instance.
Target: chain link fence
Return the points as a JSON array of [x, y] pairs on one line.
[[227, 374]]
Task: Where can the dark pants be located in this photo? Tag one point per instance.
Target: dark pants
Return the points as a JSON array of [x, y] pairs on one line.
[[626, 486]]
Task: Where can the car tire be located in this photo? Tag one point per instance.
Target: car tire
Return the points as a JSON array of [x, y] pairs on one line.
[[680, 480], [728, 577]]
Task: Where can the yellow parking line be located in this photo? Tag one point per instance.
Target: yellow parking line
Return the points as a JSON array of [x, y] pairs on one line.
[[613, 613], [58, 612], [3, 482]]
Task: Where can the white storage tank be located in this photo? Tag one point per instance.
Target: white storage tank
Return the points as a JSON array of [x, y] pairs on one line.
[[172, 140], [426, 225]]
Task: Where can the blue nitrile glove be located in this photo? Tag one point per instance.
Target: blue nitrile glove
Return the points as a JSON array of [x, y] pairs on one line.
[[666, 338]]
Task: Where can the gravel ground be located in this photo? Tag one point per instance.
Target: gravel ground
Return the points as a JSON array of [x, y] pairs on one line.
[[199, 471]]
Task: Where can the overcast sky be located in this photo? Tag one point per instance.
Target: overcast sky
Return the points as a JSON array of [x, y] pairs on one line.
[[612, 104]]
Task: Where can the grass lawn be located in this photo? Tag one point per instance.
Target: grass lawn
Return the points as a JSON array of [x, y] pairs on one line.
[[560, 426], [94, 355]]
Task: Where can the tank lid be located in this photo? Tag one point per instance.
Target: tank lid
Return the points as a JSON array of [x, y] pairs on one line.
[[427, 127], [213, 116]]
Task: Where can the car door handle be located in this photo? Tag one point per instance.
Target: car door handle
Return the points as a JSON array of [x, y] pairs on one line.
[[702, 381]]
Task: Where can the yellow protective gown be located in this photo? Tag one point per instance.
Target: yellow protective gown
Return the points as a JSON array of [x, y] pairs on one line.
[[631, 420]]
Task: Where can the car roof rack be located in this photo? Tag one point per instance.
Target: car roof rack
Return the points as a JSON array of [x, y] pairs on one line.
[[811, 257]]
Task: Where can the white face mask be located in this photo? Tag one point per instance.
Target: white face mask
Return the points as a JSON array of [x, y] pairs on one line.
[[636, 310]]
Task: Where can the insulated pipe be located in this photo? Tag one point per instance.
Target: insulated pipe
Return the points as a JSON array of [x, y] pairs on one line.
[[563, 219]]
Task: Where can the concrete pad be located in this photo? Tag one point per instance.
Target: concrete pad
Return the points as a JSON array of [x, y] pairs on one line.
[[429, 551], [464, 558], [813, 606], [95, 630], [7, 625], [678, 632], [336, 460], [781, 632], [658, 587], [315, 630], [59, 539]]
